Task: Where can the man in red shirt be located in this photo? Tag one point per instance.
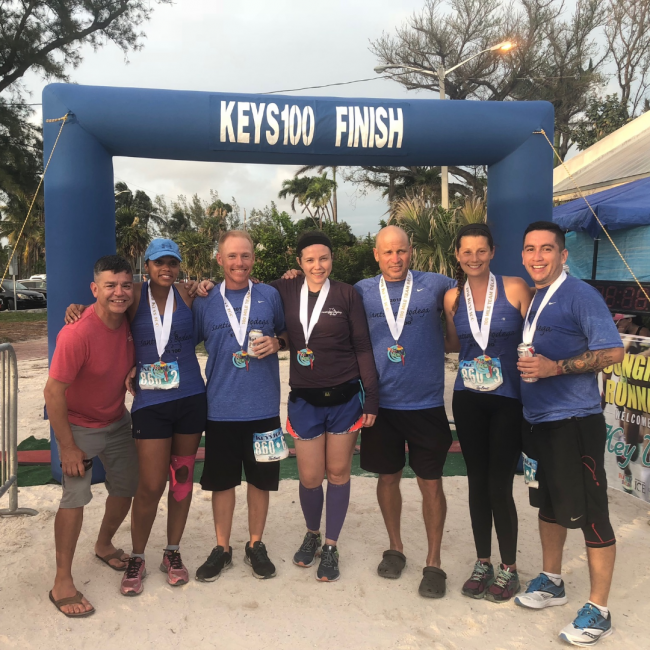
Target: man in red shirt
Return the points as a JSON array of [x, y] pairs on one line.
[[84, 396]]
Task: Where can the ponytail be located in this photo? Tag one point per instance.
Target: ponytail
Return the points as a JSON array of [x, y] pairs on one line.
[[460, 278]]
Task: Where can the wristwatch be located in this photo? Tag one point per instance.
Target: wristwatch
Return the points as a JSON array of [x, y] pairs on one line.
[[283, 345]]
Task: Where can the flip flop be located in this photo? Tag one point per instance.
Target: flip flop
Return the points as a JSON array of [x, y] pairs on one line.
[[392, 565], [117, 555], [434, 583], [72, 600]]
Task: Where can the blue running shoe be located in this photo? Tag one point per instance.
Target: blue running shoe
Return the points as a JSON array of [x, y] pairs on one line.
[[542, 592], [588, 628]]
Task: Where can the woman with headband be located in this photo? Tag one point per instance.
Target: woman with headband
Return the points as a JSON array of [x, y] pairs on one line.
[[332, 366], [484, 316]]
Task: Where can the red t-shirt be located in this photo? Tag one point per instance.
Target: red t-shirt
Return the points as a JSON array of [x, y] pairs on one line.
[[94, 359]]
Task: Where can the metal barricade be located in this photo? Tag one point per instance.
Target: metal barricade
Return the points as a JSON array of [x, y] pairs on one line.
[[9, 431]]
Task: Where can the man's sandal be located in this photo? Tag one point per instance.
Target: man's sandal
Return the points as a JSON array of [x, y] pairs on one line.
[[434, 583], [115, 556], [72, 600], [392, 565]]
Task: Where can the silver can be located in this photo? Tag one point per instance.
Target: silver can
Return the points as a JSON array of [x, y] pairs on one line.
[[525, 350], [253, 335]]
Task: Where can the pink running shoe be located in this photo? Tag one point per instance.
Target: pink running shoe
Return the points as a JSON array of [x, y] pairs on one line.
[[133, 576], [173, 566]]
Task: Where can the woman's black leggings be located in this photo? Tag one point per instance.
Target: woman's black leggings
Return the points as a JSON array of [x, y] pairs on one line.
[[489, 432]]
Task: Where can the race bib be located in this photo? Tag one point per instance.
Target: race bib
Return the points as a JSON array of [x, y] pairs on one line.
[[483, 373], [530, 471], [270, 446], [159, 376]]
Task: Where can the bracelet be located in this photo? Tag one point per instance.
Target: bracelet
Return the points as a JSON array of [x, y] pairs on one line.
[[281, 343]]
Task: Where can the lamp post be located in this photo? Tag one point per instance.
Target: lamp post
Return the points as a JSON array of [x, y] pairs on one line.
[[441, 73]]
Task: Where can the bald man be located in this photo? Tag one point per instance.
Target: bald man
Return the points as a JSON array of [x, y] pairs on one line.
[[403, 309]]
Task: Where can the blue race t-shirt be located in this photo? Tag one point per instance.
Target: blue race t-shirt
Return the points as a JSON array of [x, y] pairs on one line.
[[575, 320], [235, 393], [420, 382]]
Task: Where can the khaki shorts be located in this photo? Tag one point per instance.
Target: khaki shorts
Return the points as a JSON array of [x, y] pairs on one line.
[[115, 447]]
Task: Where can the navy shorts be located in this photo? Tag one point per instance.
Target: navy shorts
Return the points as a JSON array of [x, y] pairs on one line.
[[184, 415], [307, 422]]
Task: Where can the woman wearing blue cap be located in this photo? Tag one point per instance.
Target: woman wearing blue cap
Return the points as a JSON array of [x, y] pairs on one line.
[[169, 408]]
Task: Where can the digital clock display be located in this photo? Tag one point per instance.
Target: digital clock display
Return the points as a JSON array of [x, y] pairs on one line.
[[623, 297]]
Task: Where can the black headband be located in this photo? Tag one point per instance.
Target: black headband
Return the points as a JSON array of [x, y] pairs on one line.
[[311, 238], [483, 227]]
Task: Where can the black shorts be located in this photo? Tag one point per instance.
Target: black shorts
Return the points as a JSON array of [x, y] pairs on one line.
[[185, 415], [228, 447], [427, 433], [570, 457]]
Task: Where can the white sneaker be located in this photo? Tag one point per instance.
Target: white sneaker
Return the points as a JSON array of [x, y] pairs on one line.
[[588, 627], [542, 592]]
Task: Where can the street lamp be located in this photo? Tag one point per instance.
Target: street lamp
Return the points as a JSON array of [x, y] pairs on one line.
[[441, 73]]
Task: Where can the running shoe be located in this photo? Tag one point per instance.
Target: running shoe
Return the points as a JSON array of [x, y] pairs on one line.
[[482, 577], [134, 574], [542, 592], [258, 559], [328, 570], [217, 562], [588, 628], [173, 566], [504, 587], [309, 551]]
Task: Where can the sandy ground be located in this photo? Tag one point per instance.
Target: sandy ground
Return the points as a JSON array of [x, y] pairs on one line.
[[293, 611]]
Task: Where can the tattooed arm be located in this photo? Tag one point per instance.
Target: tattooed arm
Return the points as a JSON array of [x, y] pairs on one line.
[[590, 361]]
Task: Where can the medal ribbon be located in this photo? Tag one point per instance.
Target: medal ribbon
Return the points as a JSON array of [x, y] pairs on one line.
[[162, 329], [238, 328], [529, 328], [482, 335], [396, 325], [308, 327]]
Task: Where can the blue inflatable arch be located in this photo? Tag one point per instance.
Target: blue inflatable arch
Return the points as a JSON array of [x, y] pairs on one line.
[[274, 129]]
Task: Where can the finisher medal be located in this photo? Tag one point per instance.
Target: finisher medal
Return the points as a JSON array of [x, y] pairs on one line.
[[396, 353], [306, 358], [239, 358]]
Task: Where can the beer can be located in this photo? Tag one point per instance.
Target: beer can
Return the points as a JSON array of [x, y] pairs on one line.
[[253, 335], [526, 350]]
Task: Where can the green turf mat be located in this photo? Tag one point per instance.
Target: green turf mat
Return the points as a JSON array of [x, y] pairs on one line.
[[34, 444]]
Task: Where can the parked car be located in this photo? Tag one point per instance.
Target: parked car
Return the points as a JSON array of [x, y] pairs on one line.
[[35, 285], [26, 298]]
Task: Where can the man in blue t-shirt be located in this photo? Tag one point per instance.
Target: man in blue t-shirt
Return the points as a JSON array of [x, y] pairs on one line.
[[243, 394], [403, 309], [564, 433]]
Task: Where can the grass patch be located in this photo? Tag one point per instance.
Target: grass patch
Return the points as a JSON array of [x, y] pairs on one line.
[[21, 317]]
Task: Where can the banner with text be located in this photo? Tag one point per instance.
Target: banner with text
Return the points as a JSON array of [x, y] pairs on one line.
[[625, 391]]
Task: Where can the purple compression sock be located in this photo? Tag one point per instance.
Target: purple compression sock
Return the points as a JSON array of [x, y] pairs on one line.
[[338, 499], [311, 501]]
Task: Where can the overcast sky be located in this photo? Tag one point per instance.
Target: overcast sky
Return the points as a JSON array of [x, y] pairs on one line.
[[250, 46]]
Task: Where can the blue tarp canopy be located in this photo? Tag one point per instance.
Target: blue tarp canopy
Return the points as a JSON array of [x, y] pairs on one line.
[[625, 206]]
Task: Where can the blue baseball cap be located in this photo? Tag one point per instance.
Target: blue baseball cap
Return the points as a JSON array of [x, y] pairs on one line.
[[161, 247]]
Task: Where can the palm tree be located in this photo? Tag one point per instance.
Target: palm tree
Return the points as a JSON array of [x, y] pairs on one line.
[[297, 188], [131, 238], [432, 231], [31, 245], [320, 169], [196, 249]]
